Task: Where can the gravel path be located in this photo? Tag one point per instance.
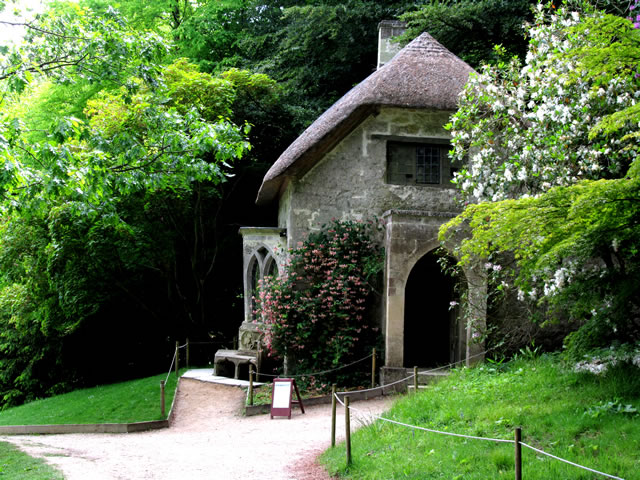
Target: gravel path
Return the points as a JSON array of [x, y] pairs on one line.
[[209, 439]]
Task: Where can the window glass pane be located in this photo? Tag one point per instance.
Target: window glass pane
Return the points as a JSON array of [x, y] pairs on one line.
[[428, 164], [415, 164]]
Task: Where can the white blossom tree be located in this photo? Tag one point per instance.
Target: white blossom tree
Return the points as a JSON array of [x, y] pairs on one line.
[[522, 129], [552, 175]]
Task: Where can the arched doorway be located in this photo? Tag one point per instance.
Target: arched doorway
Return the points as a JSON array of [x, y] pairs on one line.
[[431, 331]]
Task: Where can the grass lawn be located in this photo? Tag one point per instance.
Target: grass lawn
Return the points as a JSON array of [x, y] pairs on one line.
[[590, 420], [15, 465], [127, 402]]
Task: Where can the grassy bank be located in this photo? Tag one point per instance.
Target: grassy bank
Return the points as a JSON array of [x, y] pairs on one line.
[[16, 465], [133, 401], [587, 419]]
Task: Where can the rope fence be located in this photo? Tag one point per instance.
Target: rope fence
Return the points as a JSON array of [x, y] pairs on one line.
[[323, 372], [413, 375], [542, 452], [175, 360], [369, 418], [175, 353]]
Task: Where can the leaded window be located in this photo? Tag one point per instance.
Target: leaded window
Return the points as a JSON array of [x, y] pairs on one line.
[[417, 164]]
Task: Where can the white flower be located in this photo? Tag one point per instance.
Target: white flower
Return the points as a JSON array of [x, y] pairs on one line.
[[615, 244], [508, 176], [522, 174]]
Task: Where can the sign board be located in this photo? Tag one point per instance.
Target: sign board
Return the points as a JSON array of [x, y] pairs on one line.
[[281, 397]]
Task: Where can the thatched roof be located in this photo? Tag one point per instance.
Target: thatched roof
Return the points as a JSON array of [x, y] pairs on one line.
[[423, 74]]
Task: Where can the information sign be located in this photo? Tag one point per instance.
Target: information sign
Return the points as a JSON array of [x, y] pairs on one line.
[[281, 397]]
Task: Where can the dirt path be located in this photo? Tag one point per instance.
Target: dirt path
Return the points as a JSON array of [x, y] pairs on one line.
[[209, 439]]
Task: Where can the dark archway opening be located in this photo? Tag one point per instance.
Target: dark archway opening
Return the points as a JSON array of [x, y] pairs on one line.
[[430, 325]]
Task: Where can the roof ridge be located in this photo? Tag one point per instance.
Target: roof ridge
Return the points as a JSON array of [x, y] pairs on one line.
[[426, 42]]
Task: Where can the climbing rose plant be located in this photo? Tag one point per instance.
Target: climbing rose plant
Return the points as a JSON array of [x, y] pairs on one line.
[[318, 314]]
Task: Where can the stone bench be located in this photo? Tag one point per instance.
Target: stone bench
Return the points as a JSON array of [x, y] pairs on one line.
[[237, 357]]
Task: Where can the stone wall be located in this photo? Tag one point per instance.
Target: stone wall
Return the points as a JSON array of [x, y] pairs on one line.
[[349, 183]]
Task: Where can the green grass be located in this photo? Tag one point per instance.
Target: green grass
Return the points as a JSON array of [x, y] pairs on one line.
[[17, 465], [127, 402], [578, 417]]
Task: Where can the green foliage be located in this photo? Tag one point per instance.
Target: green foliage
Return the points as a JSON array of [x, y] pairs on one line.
[[130, 144], [316, 50], [104, 236], [186, 88], [323, 49], [70, 42], [548, 401], [318, 314], [29, 341], [161, 16], [558, 120], [471, 28], [613, 53], [521, 129], [582, 257], [611, 407], [44, 104]]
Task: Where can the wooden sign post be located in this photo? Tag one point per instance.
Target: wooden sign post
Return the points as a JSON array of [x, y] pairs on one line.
[[281, 397]]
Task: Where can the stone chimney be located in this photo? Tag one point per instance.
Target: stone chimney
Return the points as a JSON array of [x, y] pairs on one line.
[[387, 29]]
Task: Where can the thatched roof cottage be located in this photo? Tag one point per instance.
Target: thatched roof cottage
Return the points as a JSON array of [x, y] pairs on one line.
[[381, 150]]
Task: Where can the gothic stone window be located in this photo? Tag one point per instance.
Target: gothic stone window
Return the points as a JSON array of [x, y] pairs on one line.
[[410, 163], [262, 264]]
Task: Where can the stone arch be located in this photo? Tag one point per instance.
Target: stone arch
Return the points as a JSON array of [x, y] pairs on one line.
[[261, 264], [410, 235], [271, 267], [262, 253]]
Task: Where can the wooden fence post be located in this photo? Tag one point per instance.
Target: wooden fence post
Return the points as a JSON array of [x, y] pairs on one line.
[[177, 358], [250, 384], [162, 404], [518, 459], [373, 369], [415, 379], [347, 429], [333, 415]]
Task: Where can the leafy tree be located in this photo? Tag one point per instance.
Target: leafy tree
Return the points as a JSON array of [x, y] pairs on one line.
[[98, 188], [471, 28], [73, 43], [553, 162], [316, 50], [29, 359], [323, 49], [528, 128], [160, 15]]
